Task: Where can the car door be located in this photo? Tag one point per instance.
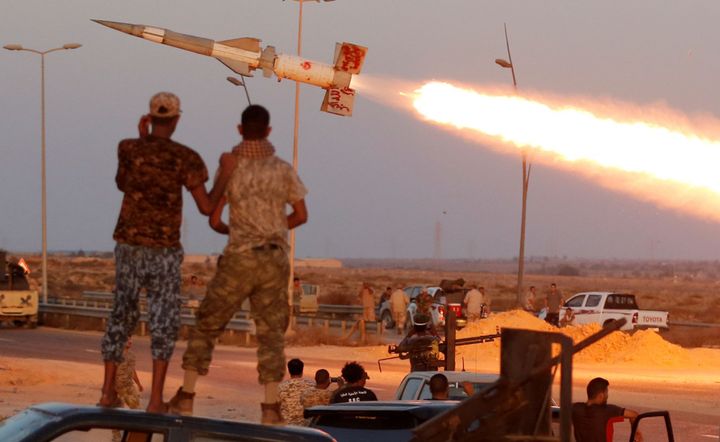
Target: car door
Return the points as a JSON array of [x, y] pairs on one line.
[[574, 304], [592, 310]]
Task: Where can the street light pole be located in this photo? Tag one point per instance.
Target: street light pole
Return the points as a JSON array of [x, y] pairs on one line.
[[296, 131], [16, 47], [526, 167], [240, 82]]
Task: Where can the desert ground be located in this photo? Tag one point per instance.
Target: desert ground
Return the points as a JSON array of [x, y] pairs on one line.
[[678, 370], [689, 291]]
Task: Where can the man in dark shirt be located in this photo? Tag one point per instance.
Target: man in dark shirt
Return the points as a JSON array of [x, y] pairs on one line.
[[439, 387], [152, 170], [590, 419], [354, 389]]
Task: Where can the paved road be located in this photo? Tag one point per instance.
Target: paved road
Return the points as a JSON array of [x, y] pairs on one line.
[[234, 367]]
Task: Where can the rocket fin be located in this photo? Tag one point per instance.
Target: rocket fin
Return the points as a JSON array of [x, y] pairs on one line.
[[339, 101], [239, 67], [246, 43], [349, 57]]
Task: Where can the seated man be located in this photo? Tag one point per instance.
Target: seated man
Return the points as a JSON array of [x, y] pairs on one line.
[[439, 387], [590, 419], [354, 391], [321, 394]]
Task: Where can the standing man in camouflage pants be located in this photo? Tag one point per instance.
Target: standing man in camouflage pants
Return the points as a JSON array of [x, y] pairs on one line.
[[152, 170], [255, 262]]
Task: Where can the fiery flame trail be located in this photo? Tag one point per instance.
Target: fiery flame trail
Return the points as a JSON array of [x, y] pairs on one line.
[[663, 162]]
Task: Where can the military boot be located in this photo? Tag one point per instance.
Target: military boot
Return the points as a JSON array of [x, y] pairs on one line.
[[181, 403]]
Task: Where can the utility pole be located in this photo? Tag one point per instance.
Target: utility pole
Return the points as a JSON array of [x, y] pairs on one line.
[[526, 167]]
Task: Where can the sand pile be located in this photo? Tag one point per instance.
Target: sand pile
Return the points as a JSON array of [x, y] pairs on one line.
[[644, 347]]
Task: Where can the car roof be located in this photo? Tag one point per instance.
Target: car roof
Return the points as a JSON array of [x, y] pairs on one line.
[[51, 417], [456, 376], [603, 293], [420, 408]]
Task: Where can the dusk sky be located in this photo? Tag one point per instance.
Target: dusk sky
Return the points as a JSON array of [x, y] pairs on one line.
[[381, 179]]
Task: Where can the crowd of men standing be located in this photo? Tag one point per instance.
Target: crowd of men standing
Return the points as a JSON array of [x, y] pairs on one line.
[[476, 302]]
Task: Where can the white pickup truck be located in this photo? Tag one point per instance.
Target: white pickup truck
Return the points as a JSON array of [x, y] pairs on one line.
[[603, 307]]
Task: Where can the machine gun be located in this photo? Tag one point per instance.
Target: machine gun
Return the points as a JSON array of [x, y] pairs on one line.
[[417, 349]]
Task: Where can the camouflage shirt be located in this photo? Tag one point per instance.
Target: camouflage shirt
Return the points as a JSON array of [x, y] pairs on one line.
[[316, 396], [151, 173], [258, 192], [290, 391]]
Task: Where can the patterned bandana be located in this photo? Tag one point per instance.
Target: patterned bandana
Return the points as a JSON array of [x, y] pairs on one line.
[[255, 149]]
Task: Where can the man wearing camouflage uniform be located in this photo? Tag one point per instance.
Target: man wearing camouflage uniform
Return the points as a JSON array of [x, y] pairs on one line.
[[290, 392], [321, 393], [152, 170], [255, 262]]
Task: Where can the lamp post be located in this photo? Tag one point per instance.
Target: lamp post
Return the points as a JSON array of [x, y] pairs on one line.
[[296, 130], [17, 47], [526, 167], [240, 82]]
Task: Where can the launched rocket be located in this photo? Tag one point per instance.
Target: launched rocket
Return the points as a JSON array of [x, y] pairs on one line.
[[244, 55]]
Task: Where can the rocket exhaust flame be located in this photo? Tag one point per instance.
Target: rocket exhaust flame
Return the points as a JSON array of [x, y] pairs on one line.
[[663, 159]]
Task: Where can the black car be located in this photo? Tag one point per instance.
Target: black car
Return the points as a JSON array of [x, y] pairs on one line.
[[66, 423], [375, 421]]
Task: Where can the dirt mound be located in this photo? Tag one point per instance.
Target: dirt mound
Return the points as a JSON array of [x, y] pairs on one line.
[[642, 348]]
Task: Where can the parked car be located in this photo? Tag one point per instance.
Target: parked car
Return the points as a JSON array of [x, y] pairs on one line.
[[18, 303], [603, 307], [308, 304], [376, 421], [73, 423], [416, 385]]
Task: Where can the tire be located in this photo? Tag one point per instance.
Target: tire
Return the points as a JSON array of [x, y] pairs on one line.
[[19, 323], [387, 321]]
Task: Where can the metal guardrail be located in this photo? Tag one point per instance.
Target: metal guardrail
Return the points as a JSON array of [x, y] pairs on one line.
[[324, 310], [101, 306], [101, 309], [337, 316], [692, 324]]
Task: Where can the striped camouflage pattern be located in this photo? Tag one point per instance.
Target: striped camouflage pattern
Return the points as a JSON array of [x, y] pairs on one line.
[[157, 270], [261, 275]]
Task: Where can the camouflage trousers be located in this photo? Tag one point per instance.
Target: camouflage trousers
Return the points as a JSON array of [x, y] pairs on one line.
[[262, 276], [158, 271]]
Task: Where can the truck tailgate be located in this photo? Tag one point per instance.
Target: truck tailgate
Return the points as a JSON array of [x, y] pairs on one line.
[[652, 319]]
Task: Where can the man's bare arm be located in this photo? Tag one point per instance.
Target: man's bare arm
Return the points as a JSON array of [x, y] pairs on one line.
[[299, 215], [206, 202], [216, 221], [228, 162]]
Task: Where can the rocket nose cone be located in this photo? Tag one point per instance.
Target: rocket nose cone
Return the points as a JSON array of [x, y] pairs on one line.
[[122, 27]]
